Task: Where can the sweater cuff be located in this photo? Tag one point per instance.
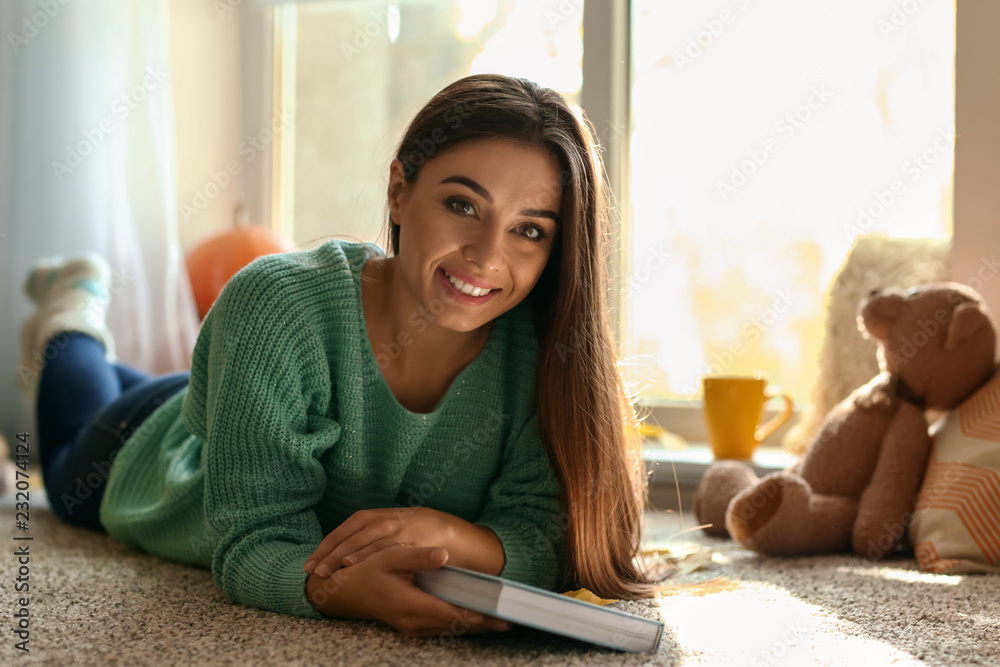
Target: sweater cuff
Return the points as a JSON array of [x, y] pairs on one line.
[[273, 579], [290, 584], [529, 556]]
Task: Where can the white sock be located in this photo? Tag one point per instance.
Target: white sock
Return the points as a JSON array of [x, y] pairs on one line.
[[71, 295]]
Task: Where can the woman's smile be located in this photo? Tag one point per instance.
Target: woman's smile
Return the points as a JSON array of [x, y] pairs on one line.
[[476, 292]]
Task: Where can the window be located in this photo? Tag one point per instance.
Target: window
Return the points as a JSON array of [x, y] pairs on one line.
[[765, 138], [761, 139]]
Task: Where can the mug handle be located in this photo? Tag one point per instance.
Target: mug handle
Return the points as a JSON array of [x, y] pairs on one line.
[[770, 427]]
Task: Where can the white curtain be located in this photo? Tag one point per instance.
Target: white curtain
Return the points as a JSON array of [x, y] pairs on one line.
[[87, 162]]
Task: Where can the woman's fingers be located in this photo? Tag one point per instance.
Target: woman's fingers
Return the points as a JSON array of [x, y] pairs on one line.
[[365, 542], [365, 527], [356, 532], [331, 541], [362, 554]]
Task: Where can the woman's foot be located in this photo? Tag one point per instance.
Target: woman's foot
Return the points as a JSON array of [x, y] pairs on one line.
[[71, 295]]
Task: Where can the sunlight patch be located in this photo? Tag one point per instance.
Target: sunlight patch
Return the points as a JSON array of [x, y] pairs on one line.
[[763, 626], [899, 574]]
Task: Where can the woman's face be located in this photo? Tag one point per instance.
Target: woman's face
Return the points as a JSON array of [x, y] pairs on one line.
[[476, 228]]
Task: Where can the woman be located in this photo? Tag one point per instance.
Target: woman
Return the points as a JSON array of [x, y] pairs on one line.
[[455, 401]]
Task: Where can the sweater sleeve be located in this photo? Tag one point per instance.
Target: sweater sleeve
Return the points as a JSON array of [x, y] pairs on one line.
[[260, 408], [523, 510]]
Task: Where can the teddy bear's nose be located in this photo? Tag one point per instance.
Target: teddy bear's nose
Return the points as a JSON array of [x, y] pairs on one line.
[[874, 292]]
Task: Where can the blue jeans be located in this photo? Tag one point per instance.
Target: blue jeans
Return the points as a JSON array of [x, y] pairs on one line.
[[87, 408]]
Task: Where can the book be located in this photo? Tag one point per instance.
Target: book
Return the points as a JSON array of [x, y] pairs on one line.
[[541, 609]]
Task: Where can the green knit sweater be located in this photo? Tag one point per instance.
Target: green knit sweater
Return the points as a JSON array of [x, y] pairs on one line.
[[288, 427]]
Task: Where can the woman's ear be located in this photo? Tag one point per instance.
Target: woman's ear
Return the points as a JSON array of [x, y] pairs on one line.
[[397, 188]]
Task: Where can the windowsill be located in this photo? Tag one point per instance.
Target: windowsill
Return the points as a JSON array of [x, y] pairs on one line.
[[690, 463]]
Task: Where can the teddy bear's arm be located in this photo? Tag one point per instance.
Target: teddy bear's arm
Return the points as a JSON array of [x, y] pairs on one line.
[[844, 454], [886, 505]]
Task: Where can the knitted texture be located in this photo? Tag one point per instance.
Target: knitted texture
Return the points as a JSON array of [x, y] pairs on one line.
[[288, 427]]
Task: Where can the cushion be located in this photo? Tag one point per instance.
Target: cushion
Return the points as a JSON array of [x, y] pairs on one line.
[[956, 523]]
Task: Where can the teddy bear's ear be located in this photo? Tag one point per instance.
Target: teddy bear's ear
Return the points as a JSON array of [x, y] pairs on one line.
[[878, 312], [966, 321]]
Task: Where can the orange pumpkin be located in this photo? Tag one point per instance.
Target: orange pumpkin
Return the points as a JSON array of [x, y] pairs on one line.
[[212, 261]]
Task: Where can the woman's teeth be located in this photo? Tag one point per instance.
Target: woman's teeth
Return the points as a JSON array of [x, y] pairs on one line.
[[466, 288]]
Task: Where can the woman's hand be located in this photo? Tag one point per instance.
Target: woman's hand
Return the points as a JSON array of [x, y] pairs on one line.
[[382, 588], [369, 531]]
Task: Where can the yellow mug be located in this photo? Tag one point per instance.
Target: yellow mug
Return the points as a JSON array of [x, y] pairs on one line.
[[734, 405]]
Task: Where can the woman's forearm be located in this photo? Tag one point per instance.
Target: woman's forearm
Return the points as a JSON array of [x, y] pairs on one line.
[[475, 548]]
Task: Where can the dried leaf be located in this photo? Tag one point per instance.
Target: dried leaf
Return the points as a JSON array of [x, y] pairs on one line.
[[688, 559], [586, 596], [699, 588], [695, 561], [669, 553], [655, 436]]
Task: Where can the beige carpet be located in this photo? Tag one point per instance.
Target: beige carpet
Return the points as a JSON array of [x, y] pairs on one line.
[[93, 601]]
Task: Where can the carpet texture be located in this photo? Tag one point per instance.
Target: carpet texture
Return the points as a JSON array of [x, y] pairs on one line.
[[96, 602]]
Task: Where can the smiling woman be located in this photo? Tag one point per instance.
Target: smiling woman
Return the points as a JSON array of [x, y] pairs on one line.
[[314, 476]]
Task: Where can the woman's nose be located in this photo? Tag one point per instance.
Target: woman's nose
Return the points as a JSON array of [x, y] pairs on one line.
[[485, 250]]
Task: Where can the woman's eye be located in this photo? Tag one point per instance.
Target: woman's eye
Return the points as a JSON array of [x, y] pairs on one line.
[[462, 206], [532, 233]]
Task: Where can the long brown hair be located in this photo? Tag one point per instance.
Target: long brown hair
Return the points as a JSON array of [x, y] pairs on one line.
[[586, 421]]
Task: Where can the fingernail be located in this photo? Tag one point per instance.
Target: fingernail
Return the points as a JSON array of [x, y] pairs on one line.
[[349, 560], [310, 566], [323, 570]]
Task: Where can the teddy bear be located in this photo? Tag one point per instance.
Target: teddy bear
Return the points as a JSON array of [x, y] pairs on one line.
[[856, 485]]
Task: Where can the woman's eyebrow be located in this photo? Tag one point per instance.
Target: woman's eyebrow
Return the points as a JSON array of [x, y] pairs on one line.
[[484, 193], [471, 184]]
